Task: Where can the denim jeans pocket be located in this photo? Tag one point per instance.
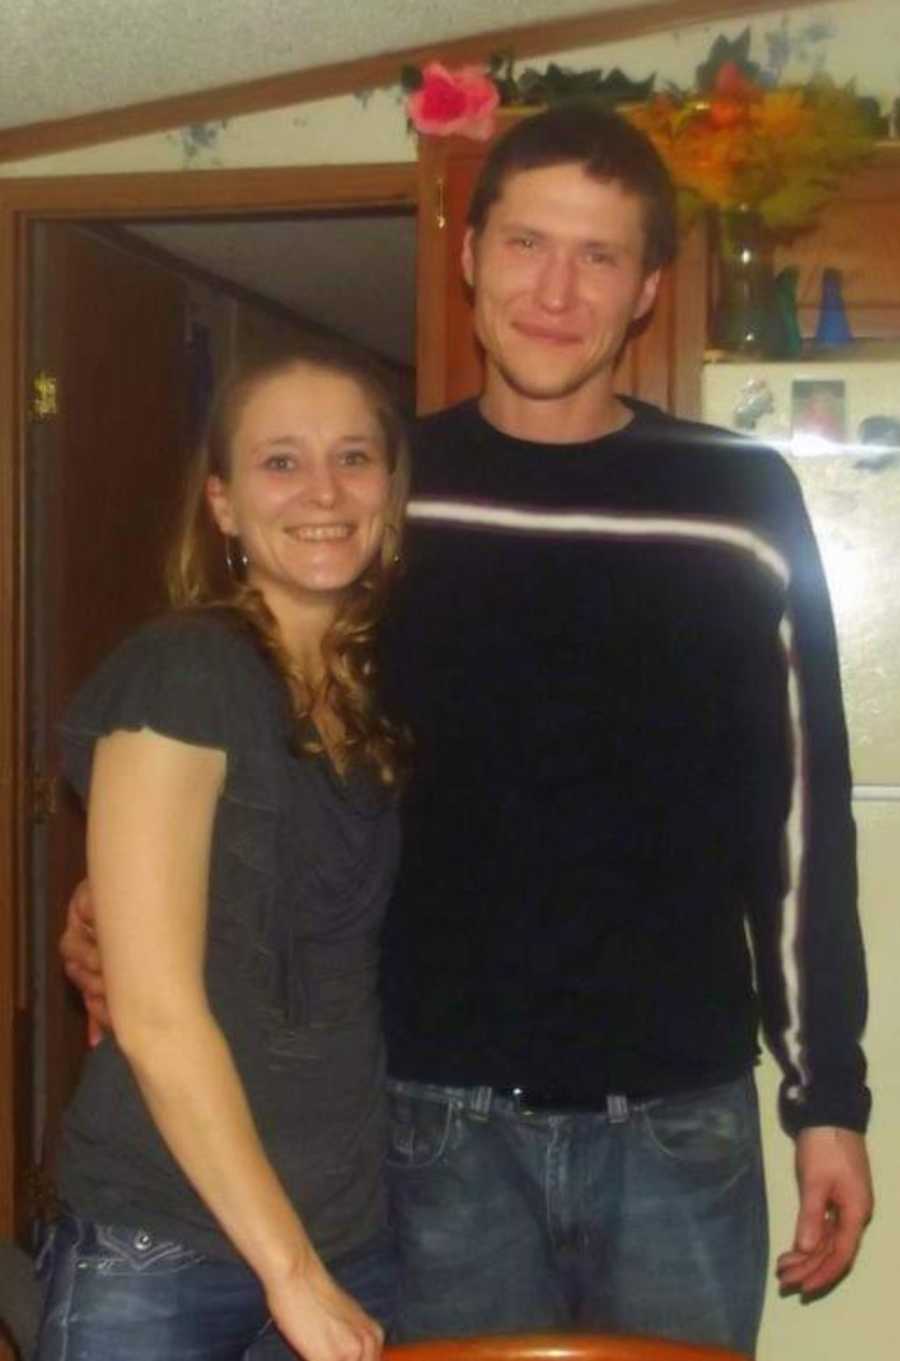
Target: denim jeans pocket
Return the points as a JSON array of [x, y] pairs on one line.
[[707, 1128], [418, 1128], [115, 1250]]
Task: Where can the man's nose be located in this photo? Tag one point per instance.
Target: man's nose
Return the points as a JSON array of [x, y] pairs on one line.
[[556, 282]]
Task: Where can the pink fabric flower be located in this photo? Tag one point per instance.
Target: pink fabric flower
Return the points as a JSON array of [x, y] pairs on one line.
[[460, 101]]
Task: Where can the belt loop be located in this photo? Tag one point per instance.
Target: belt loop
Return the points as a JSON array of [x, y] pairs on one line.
[[480, 1101], [617, 1109]]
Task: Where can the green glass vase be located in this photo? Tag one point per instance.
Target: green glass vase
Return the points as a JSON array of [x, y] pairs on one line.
[[742, 320]]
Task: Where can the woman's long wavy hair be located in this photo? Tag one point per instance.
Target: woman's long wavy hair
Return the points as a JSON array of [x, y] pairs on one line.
[[199, 576]]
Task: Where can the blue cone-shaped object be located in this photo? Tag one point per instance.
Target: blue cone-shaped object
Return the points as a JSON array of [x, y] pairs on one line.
[[833, 327]]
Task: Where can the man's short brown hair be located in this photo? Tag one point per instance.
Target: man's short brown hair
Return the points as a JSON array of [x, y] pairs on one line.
[[606, 146]]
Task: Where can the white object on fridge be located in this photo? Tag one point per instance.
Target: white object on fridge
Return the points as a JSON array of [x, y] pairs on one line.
[[838, 424]]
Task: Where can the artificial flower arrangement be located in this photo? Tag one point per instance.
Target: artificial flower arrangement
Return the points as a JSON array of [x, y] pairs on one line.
[[464, 102], [734, 142]]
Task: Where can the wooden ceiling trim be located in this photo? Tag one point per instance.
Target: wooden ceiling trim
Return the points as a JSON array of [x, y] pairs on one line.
[[338, 78], [213, 193]]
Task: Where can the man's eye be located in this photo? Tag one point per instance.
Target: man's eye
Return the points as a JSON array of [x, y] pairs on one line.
[[524, 242], [598, 257], [279, 463], [354, 457]]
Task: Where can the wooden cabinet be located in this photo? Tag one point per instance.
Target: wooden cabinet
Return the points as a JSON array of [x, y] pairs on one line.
[[858, 234], [661, 363]]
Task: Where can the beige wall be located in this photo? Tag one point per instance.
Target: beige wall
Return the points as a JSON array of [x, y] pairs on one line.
[[858, 38]]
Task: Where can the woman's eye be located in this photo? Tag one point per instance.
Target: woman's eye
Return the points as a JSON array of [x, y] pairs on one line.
[[355, 457], [279, 463]]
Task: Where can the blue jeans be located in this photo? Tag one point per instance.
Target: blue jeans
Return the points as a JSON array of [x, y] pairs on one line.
[[646, 1218], [121, 1294]]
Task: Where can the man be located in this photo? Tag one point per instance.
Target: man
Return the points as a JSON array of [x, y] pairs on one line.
[[615, 648]]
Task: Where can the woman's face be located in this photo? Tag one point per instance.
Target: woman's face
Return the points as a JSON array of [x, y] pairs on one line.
[[309, 485]]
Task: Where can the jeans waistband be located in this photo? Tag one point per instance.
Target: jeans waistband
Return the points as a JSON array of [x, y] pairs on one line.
[[481, 1101]]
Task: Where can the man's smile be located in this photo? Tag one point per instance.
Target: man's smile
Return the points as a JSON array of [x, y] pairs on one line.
[[532, 330]]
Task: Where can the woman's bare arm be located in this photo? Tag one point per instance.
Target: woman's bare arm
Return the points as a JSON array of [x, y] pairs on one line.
[[150, 820]]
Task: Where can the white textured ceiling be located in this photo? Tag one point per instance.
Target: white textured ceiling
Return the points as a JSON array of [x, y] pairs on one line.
[[59, 58]]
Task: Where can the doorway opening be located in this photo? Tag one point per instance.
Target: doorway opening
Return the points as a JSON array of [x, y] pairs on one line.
[[161, 265]]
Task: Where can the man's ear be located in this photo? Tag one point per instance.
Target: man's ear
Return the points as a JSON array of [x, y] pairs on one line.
[[468, 257], [218, 499], [647, 295]]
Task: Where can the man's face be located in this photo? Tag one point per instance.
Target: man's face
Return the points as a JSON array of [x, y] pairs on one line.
[[558, 278]]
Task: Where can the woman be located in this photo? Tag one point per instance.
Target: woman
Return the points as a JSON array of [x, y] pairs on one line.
[[221, 1157]]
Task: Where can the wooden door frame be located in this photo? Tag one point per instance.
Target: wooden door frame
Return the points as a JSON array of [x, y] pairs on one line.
[[201, 193]]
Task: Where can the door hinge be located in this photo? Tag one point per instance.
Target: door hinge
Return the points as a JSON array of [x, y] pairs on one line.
[[440, 204], [43, 797], [44, 397]]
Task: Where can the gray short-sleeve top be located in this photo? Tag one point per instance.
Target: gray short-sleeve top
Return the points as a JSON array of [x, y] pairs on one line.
[[301, 867]]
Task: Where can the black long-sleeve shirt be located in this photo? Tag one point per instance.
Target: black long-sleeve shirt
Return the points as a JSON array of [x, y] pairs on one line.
[[619, 664]]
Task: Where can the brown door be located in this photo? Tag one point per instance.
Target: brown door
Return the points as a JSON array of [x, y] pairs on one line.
[[660, 364], [108, 329]]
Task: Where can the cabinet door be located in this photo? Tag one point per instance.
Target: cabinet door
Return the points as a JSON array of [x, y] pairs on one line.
[[661, 363]]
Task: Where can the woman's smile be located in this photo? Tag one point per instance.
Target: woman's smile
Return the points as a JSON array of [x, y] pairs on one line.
[[320, 533]]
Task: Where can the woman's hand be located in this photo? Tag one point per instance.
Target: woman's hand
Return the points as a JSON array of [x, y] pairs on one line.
[[320, 1320]]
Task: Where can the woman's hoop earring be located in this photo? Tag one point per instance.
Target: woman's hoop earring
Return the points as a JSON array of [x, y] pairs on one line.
[[395, 556], [235, 558]]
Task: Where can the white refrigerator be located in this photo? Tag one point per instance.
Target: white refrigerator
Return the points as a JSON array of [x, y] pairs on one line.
[[837, 421]]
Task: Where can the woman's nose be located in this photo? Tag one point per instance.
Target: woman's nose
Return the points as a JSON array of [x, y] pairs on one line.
[[321, 484]]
